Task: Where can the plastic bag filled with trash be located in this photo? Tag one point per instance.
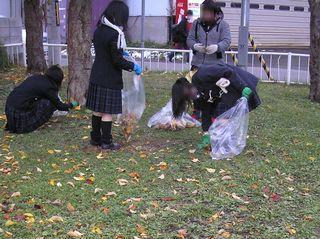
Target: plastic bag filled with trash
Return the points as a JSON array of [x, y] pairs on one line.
[[164, 120], [228, 133], [133, 102]]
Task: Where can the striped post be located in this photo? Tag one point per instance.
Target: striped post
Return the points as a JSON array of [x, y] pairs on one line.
[[261, 59]]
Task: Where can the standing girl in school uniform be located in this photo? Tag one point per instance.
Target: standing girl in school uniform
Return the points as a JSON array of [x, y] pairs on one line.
[[104, 95]]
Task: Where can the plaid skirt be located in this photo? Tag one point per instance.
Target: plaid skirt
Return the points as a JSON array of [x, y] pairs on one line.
[[104, 100], [21, 122]]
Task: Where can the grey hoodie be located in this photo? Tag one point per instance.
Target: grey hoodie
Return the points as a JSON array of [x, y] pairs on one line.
[[219, 34]]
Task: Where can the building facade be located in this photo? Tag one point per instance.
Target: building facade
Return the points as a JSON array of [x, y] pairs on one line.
[[10, 21]]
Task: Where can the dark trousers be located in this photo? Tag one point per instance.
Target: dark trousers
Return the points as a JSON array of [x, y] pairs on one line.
[[208, 112]]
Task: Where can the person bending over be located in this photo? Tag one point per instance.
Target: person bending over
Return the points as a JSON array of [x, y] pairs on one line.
[[216, 88], [32, 103]]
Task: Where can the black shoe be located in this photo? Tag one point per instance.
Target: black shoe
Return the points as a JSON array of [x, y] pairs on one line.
[[95, 139], [112, 146], [95, 143]]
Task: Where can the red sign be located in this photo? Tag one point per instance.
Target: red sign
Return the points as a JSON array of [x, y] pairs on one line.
[[181, 9]]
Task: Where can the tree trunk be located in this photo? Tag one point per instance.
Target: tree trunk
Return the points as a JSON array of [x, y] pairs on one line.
[[34, 40], [54, 37], [315, 50], [79, 48]]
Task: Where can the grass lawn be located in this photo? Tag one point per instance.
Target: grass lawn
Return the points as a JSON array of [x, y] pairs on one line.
[[167, 191]]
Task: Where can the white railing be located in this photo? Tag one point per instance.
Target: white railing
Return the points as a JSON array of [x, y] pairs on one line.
[[290, 68]]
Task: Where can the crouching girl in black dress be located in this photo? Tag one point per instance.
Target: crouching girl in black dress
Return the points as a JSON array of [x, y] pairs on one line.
[[216, 88], [104, 95], [33, 102]]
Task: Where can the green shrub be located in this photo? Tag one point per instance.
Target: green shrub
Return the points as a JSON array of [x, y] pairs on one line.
[[4, 60]]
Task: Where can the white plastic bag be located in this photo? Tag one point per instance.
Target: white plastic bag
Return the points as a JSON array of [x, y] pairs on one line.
[[133, 102], [164, 120], [228, 133]]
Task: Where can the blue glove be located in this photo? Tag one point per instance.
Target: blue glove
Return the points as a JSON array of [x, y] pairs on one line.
[[125, 53], [137, 69]]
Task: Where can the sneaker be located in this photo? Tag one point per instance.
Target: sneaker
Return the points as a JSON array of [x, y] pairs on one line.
[[112, 146]]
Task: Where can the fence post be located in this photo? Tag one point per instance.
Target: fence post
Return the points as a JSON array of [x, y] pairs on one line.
[[289, 68], [190, 59], [24, 54]]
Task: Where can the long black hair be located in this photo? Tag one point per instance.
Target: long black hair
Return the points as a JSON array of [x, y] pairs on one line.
[[180, 100], [117, 13], [55, 74]]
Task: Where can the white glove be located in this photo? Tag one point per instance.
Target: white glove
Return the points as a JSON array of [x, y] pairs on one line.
[[212, 49], [200, 48]]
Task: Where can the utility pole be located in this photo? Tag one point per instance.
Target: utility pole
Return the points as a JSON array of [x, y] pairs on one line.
[[243, 34], [143, 13]]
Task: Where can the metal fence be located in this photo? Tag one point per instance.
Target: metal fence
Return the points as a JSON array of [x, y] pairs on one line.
[[289, 68]]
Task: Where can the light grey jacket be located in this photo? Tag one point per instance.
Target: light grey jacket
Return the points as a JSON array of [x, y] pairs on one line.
[[220, 35]]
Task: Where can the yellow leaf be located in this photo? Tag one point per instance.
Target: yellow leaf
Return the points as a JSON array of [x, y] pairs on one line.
[[8, 234], [312, 158], [100, 156], [29, 218], [77, 107], [143, 155], [141, 230], [214, 217], [291, 230], [96, 230], [52, 182], [210, 170], [54, 219], [50, 151], [162, 165], [9, 223], [80, 178], [74, 234]]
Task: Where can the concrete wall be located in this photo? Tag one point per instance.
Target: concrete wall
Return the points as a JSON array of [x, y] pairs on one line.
[[156, 29], [11, 23]]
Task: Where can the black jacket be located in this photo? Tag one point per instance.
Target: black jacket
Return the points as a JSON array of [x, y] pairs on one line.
[[109, 62], [180, 31], [25, 96], [207, 75]]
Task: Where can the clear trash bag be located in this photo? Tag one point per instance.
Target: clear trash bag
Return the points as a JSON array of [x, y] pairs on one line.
[[164, 120], [228, 133], [133, 102]]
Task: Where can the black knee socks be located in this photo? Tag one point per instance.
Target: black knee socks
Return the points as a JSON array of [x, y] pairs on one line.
[[96, 128], [106, 132]]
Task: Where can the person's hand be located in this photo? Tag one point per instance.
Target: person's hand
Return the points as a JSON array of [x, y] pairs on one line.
[[212, 49], [246, 92], [200, 48], [125, 53], [137, 69], [205, 141]]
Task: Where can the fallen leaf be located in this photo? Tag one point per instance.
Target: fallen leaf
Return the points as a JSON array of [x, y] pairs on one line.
[[9, 223], [100, 156], [122, 182], [96, 190], [291, 230], [70, 207], [275, 197], [105, 210], [226, 178], [141, 230], [55, 219], [29, 218], [194, 160], [192, 151], [182, 233], [211, 170], [96, 230], [74, 234], [161, 176], [15, 194]]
